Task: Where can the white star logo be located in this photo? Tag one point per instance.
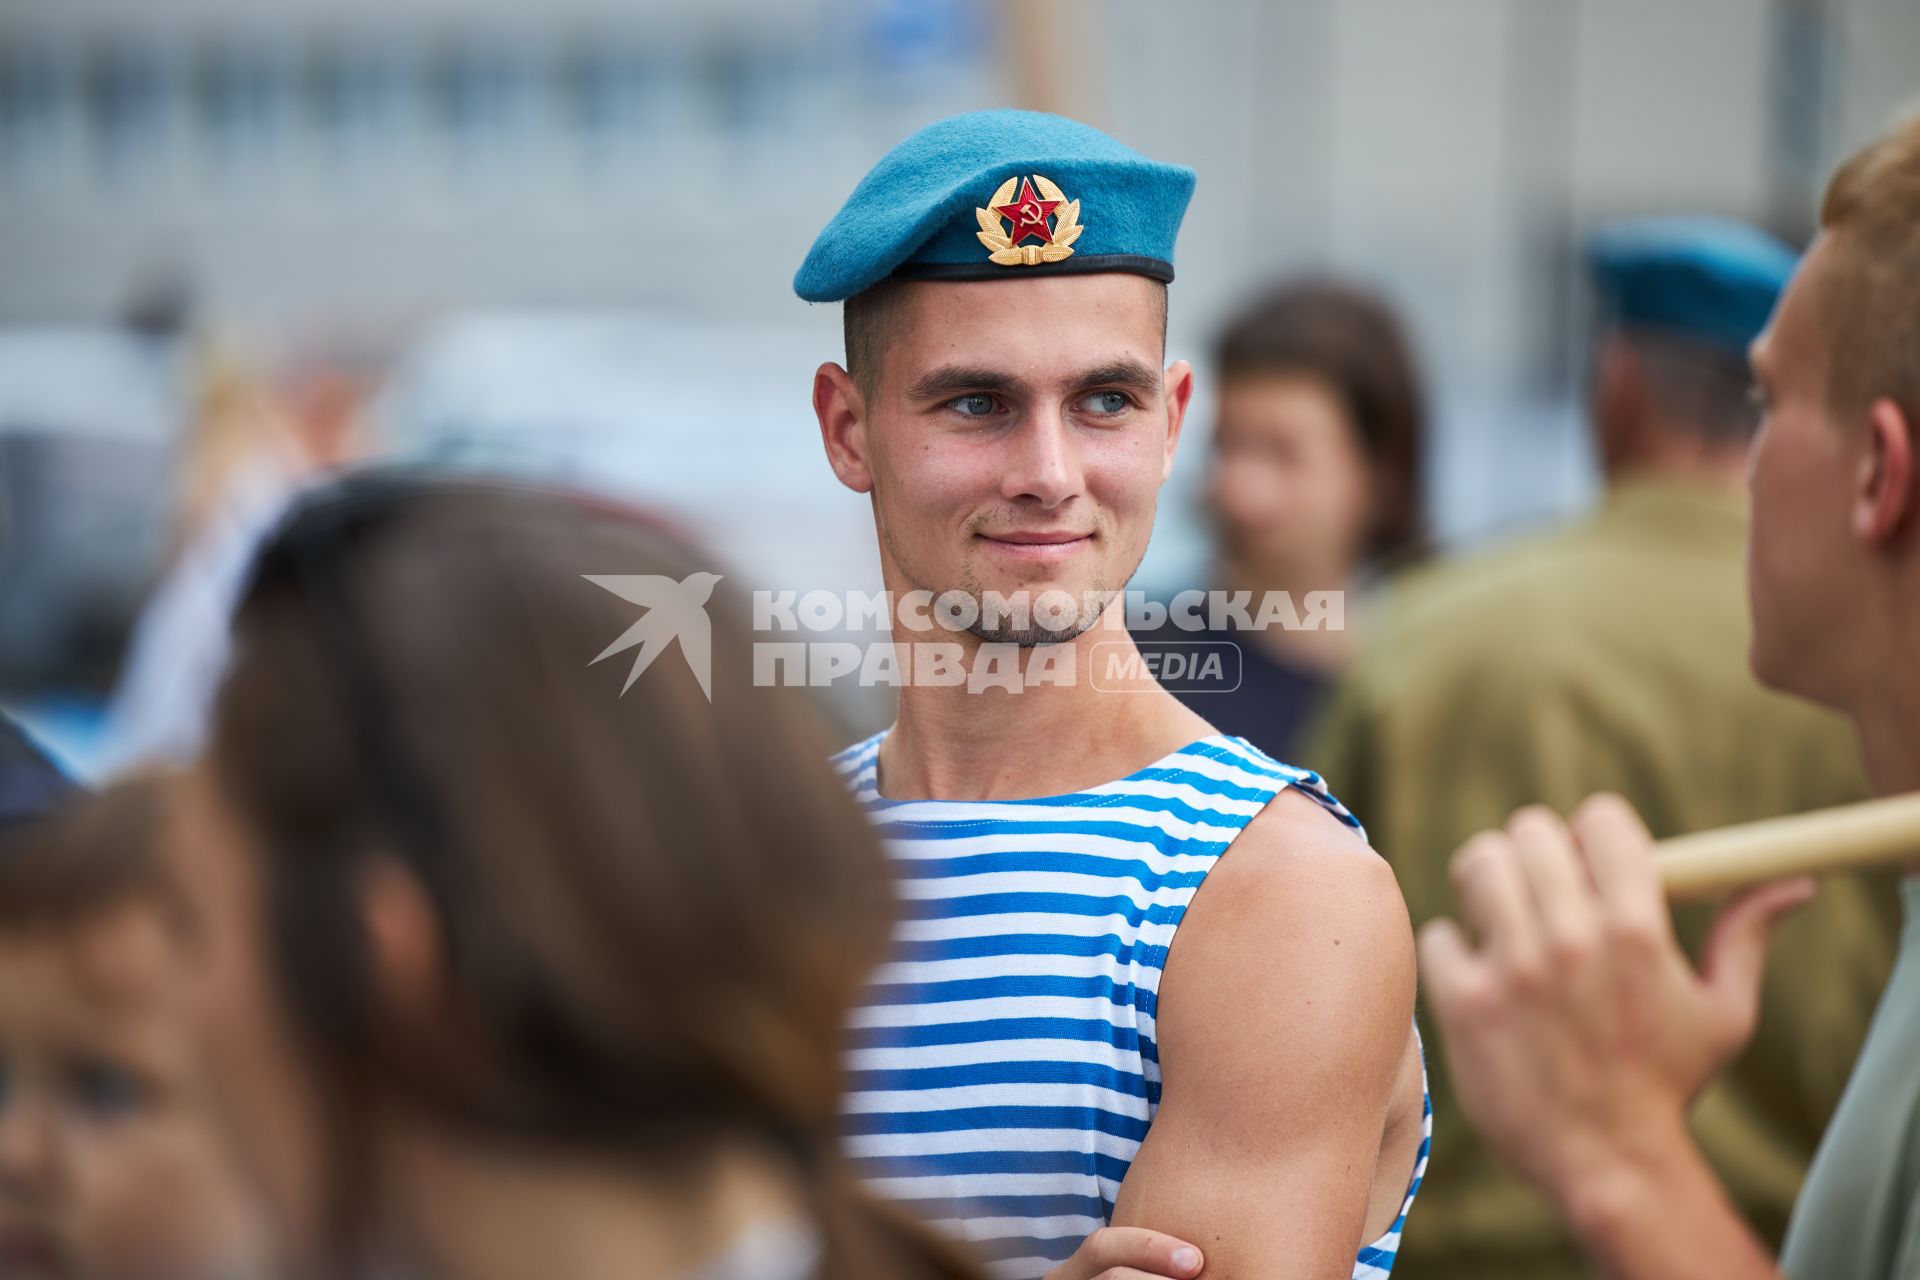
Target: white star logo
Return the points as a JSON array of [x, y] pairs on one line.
[[675, 611]]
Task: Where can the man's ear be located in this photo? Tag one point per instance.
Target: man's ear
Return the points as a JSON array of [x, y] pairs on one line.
[[842, 411], [1179, 384], [1886, 501], [407, 948]]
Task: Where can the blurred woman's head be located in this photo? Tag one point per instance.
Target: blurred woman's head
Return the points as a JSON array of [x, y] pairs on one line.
[[454, 882], [1316, 464]]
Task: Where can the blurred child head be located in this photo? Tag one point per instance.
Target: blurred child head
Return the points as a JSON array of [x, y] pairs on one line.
[[109, 1167]]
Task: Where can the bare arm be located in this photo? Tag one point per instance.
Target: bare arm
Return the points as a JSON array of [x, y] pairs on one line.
[[1659, 1222], [1284, 1021]]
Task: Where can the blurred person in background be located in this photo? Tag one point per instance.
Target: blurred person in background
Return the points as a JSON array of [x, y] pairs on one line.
[[258, 438], [1313, 485], [111, 1164], [509, 969], [1581, 1070], [1608, 656]]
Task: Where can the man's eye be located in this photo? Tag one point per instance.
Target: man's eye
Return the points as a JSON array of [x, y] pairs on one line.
[[1106, 402], [104, 1090], [973, 406]]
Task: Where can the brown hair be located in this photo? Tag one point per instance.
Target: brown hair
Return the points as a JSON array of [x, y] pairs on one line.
[[866, 321], [656, 909], [1872, 303], [1349, 340], [82, 862]]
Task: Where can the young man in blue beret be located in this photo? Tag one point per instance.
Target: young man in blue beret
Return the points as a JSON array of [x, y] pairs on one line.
[[1578, 1029], [1150, 1005]]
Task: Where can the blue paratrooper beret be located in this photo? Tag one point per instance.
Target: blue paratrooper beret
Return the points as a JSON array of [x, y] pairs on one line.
[[994, 194], [1710, 279]]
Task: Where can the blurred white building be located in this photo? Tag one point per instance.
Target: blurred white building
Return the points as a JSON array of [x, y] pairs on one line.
[[394, 158], [404, 163]]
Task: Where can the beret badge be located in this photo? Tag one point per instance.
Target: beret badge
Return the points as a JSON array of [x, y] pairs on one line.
[[1018, 213]]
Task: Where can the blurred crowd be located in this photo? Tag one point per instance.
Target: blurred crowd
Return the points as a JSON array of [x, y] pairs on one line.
[[343, 750], [1607, 653]]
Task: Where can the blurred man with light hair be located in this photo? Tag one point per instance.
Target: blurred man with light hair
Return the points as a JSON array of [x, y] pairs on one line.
[[1578, 1031]]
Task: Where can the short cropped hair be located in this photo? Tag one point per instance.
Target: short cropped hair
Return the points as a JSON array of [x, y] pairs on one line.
[[1871, 212], [868, 318], [865, 320], [1702, 388]]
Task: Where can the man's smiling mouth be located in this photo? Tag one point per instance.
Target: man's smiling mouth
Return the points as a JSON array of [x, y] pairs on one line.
[[1038, 544]]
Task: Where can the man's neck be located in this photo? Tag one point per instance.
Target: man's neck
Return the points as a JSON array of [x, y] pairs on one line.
[[1102, 720], [1682, 459], [1879, 683], [1890, 748], [1890, 738], [1886, 714]]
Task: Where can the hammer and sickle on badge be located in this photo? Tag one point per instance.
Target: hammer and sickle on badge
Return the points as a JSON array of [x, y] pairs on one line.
[[1017, 215]]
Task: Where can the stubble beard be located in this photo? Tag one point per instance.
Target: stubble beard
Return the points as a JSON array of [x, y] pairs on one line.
[[1093, 601]]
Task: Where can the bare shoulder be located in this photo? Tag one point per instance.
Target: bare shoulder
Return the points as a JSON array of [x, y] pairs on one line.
[[1298, 876], [1298, 934]]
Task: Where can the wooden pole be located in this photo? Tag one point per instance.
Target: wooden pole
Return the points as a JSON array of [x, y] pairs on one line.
[[1709, 864]]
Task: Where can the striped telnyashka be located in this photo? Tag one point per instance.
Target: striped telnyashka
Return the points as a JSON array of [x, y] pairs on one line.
[[1003, 1065]]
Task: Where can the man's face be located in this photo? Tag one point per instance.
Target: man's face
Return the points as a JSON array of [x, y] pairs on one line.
[[1019, 434], [1802, 562]]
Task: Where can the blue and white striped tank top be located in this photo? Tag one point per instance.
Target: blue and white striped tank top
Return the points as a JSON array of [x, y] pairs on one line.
[[1002, 1065]]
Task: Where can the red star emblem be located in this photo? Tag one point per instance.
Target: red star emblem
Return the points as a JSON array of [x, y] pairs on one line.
[[1028, 213]]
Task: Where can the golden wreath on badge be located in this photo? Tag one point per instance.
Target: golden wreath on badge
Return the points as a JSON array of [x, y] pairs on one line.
[[1009, 219]]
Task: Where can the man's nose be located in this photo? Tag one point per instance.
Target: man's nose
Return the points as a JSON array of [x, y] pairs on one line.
[[1042, 466]]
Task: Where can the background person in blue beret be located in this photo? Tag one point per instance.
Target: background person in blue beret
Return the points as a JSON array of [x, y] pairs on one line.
[[1610, 656], [1034, 1066]]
